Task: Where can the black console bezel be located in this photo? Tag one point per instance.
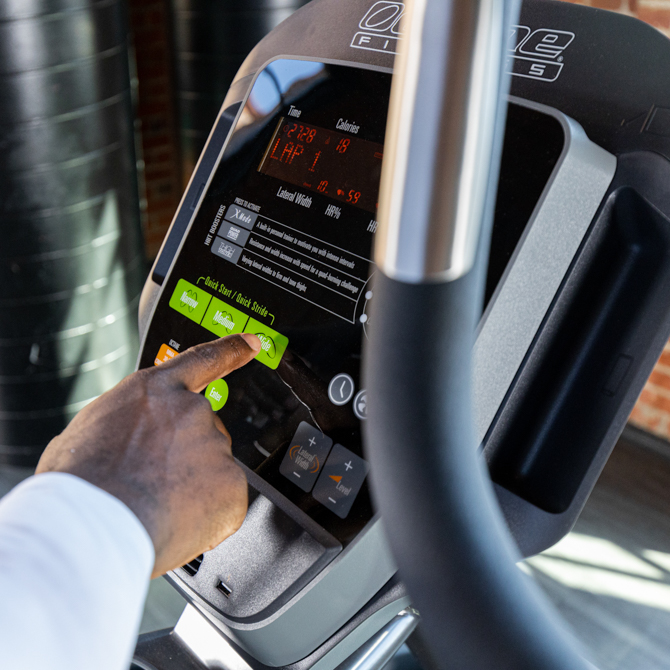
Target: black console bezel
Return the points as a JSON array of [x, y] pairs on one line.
[[360, 92]]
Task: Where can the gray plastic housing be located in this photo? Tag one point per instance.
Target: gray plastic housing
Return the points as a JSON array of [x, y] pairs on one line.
[[270, 559]]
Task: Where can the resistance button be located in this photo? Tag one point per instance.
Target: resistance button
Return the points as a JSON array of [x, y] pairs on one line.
[[341, 480], [273, 344], [217, 394], [222, 319], [190, 300]]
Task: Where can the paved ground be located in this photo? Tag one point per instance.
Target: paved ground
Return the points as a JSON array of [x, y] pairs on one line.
[[610, 577]]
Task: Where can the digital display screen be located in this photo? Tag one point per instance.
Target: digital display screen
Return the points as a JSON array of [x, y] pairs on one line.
[[338, 165]]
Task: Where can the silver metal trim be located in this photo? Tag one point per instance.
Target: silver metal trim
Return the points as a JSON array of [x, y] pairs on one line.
[[444, 103], [380, 638], [543, 255], [206, 643], [383, 646]]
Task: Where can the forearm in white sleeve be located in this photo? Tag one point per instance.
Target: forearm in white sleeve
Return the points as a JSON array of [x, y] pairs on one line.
[[75, 565]]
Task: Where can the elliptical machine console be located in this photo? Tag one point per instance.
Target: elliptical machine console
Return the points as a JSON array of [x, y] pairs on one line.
[[274, 237]]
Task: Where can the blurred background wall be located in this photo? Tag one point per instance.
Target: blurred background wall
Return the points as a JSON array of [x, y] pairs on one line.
[[187, 53], [71, 249], [105, 106]]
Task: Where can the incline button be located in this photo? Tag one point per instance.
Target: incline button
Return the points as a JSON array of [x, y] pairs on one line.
[[342, 478]]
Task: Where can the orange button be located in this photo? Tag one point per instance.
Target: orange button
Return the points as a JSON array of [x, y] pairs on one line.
[[165, 354]]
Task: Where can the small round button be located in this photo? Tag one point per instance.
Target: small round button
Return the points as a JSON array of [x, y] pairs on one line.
[[361, 405], [341, 389], [217, 394]]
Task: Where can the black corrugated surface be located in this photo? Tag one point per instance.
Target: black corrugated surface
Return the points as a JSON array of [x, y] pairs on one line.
[[212, 39], [71, 255]]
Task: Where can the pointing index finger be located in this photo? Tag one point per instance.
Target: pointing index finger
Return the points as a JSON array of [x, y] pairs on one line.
[[200, 365]]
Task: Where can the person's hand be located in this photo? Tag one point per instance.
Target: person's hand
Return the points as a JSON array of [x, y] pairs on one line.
[[156, 445]]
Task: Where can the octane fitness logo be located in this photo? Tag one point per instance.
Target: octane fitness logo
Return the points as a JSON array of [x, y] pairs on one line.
[[533, 54], [537, 54], [380, 28]]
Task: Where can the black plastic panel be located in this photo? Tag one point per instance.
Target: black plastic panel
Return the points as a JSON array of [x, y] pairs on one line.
[[591, 368], [323, 328]]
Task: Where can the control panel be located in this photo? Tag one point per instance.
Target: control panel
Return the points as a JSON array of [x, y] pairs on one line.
[[280, 247]]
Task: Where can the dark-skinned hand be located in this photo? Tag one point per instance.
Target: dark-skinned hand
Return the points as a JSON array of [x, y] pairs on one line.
[[156, 445]]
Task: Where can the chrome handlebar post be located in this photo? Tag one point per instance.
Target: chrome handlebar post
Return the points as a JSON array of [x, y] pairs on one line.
[[444, 104]]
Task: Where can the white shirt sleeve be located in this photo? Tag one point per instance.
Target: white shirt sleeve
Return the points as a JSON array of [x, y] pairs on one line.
[[75, 565]]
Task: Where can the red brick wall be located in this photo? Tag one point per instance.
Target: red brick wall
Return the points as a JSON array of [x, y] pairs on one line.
[[652, 411], [159, 151]]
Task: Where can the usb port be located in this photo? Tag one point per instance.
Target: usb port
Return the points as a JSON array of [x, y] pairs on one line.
[[224, 588]]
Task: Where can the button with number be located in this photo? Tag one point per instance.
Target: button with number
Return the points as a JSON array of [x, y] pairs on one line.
[[341, 389]]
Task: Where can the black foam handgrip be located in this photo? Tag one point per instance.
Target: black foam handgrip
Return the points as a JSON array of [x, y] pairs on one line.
[[444, 526]]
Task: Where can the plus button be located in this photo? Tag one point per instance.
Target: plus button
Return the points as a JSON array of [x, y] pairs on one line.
[[348, 466], [312, 441]]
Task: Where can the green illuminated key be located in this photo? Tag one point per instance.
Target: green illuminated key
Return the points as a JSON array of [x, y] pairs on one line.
[[273, 344], [190, 300], [222, 319], [217, 394]]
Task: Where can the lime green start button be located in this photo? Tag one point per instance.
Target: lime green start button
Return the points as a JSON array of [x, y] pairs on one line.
[[190, 300], [273, 344], [222, 319], [217, 394]]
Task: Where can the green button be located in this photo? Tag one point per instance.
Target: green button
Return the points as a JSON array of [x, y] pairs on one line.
[[217, 394], [273, 344], [190, 300], [222, 319]]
